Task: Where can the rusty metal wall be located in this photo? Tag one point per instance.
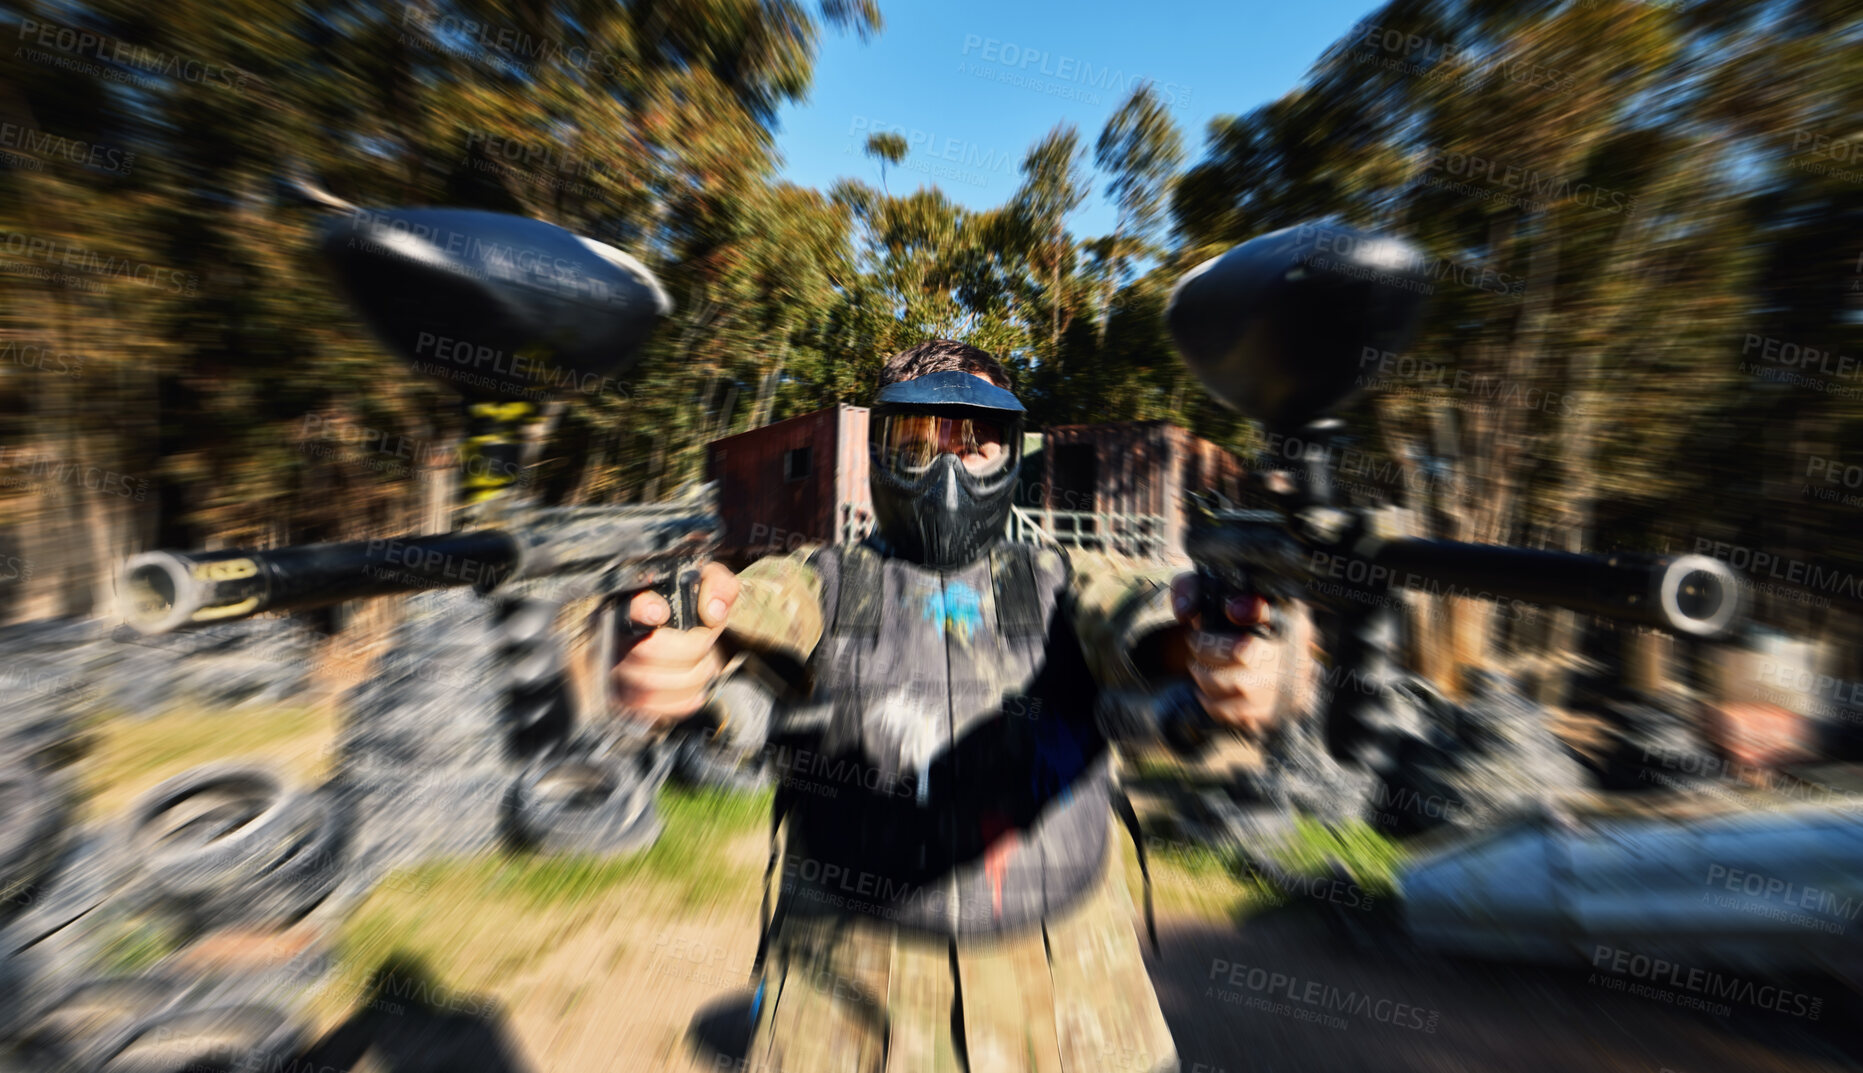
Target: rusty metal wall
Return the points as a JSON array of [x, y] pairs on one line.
[[764, 513], [1142, 467]]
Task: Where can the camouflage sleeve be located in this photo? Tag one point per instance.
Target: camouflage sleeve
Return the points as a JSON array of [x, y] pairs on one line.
[[1115, 610], [779, 607], [774, 626]]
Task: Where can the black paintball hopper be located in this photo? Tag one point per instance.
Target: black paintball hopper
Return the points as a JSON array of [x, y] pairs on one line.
[[1286, 326], [500, 307]]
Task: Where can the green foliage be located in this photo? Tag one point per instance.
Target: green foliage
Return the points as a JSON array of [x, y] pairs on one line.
[[1370, 858], [650, 126], [697, 825]]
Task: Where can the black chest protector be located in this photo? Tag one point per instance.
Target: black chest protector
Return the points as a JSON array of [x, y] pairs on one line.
[[961, 784]]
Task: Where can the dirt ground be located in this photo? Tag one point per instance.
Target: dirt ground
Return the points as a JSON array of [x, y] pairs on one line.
[[666, 992], [651, 981], [643, 965]]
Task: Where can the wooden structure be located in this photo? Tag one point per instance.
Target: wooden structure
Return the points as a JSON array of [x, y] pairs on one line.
[[795, 482], [1128, 478], [1116, 488]]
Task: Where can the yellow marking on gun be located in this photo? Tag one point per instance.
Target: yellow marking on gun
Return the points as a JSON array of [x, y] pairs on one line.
[[209, 614], [501, 411], [225, 570]]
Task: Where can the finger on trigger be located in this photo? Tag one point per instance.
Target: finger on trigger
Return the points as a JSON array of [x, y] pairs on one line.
[[648, 608], [1184, 596], [718, 589], [1247, 610]]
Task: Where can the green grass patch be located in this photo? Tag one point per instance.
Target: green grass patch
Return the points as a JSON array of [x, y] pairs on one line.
[[482, 920], [130, 755], [696, 826], [1370, 858]]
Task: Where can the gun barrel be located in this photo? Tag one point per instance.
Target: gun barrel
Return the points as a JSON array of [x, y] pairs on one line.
[[1690, 594], [167, 590]]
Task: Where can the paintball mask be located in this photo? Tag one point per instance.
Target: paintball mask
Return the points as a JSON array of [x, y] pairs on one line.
[[944, 452]]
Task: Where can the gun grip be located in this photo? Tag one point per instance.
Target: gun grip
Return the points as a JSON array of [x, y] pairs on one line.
[[1215, 589], [681, 593]]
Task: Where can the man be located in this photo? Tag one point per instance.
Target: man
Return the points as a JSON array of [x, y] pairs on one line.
[[949, 898]]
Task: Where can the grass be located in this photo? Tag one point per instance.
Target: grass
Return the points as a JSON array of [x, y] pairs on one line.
[[538, 929], [129, 756], [482, 922], [1370, 858]]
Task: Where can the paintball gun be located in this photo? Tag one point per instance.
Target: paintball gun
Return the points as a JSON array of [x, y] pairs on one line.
[[1275, 329], [513, 313]]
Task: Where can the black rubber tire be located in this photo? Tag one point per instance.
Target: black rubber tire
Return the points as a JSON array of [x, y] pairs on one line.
[[259, 855], [221, 1039], [581, 806], [306, 858], [205, 823], [91, 1015], [33, 821]]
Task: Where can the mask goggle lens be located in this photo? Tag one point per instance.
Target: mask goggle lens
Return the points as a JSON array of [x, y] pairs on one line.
[[912, 442]]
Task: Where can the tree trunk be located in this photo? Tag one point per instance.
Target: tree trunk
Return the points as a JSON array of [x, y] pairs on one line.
[[766, 393]]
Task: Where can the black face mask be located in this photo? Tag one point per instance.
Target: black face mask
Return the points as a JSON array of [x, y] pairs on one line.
[[929, 507], [948, 516]]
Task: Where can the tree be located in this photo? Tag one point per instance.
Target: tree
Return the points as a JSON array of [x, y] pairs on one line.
[[1140, 149], [887, 148]]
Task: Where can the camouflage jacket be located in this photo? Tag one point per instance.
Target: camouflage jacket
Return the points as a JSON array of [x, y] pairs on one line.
[[956, 774]]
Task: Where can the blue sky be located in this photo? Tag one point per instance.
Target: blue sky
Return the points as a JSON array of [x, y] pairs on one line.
[[973, 83]]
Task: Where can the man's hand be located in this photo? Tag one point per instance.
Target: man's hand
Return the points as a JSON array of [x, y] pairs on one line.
[[663, 676], [1241, 679]]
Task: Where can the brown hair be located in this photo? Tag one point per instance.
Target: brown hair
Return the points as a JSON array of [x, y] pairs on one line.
[[944, 355]]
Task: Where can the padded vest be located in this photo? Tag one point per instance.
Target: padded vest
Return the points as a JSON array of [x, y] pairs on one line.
[[961, 785]]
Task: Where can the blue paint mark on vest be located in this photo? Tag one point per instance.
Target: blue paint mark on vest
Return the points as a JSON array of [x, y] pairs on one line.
[[958, 609]]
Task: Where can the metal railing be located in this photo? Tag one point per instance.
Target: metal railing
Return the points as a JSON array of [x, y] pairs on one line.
[[1138, 536]]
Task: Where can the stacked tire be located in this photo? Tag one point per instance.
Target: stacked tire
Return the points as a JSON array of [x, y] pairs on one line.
[[229, 844]]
